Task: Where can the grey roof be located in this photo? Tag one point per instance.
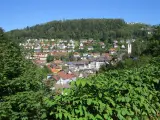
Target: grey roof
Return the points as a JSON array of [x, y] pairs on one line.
[[78, 62], [100, 59]]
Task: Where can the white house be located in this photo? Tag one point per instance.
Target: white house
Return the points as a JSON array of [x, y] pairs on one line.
[[64, 78], [62, 46], [123, 47], [90, 48]]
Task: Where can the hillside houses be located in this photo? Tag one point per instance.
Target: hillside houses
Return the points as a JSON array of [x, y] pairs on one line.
[[91, 64], [60, 47], [72, 59]]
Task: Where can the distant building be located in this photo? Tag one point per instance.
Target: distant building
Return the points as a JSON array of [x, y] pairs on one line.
[[129, 48]]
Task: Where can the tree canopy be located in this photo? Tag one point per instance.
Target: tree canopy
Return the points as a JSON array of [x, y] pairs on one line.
[[20, 82], [104, 29]]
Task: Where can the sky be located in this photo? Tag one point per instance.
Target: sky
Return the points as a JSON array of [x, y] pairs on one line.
[[17, 14]]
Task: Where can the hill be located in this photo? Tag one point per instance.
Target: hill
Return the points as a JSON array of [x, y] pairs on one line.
[[82, 28]]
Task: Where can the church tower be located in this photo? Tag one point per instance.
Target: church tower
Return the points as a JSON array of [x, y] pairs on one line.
[[129, 48]]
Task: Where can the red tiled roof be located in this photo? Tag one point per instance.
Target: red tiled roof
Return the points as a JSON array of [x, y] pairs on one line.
[[64, 75], [55, 70]]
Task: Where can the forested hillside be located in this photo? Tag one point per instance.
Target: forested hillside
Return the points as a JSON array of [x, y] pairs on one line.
[[82, 28]]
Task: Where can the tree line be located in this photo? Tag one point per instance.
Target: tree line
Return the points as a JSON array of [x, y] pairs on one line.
[[98, 29]]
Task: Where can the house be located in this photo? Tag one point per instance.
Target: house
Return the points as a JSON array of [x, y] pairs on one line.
[[122, 41], [81, 47], [112, 51], [102, 45], [65, 41], [95, 55], [71, 41], [90, 40], [77, 66], [52, 40], [83, 40], [64, 78], [89, 65], [54, 68], [128, 41], [115, 41], [96, 63], [39, 62], [58, 62], [90, 48], [37, 49], [70, 46], [90, 55], [29, 56], [84, 56], [42, 56], [108, 57], [76, 55], [101, 61], [115, 45], [71, 50], [46, 49], [123, 47], [62, 46]]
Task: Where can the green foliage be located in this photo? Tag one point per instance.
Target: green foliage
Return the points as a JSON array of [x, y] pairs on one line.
[[50, 58], [11, 65], [103, 29], [22, 105], [127, 63], [138, 47], [136, 62], [46, 70], [153, 47], [116, 94], [20, 83]]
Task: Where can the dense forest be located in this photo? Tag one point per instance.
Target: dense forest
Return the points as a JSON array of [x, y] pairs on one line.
[[125, 92], [104, 29]]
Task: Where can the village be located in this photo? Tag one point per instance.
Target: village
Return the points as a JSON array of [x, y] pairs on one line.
[[72, 59]]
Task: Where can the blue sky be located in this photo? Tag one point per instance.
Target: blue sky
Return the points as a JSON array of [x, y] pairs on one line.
[[22, 13]]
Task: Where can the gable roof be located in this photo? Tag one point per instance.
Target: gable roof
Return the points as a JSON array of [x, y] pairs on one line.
[[65, 76], [55, 70]]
